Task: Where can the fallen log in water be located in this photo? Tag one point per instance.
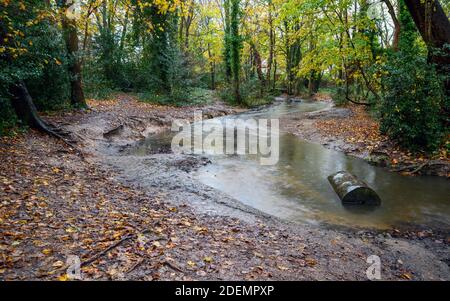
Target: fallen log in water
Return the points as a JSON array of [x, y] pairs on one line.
[[352, 191]]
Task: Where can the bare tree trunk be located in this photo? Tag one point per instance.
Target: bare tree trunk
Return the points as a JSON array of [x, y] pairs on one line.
[[124, 33], [213, 76], [86, 27], [353, 191], [397, 29], [189, 20], [26, 111], [181, 27], [288, 60], [258, 65], [274, 75], [227, 40], [212, 69], [71, 39], [235, 47], [434, 27], [24, 107], [314, 83], [271, 46], [181, 30]]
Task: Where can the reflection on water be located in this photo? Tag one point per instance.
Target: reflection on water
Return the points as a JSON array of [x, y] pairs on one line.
[[297, 189]]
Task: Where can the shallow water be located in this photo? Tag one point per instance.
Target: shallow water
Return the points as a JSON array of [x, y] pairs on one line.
[[297, 189]]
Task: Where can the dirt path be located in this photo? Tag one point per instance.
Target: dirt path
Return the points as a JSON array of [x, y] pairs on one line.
[[147, 218]]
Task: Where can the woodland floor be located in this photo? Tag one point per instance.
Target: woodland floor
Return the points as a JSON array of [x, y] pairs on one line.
[[55, 202]]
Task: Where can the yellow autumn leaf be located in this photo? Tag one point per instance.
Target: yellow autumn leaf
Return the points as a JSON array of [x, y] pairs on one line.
[[63, 277], [258, 255], [406, 276], [58, 264], [47, 251], [200, 229], [311, 261], [71, 230], [191, 263]]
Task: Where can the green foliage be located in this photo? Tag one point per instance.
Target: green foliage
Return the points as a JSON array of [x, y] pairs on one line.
[[192, 96], [162, 69], [408, 31], [162, 53], [338, 96], [167, 72], [170, 51], [110, 67], [94, 82], [7, 117], [236, 46], [109, 57], [199, 96], [257, 101], [413, 104], [51, 89], [226, 93], [146, 60], [34, 53], [227, 40], [413, 107], [32, 50], [250, 94]]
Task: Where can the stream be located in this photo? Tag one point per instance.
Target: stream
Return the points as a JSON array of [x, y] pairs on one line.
[[296, 188]]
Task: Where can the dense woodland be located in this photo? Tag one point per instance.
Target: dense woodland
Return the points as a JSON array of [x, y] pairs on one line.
[[392, 56]]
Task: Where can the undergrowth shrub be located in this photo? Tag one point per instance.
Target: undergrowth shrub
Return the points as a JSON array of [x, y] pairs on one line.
[[413, 104]]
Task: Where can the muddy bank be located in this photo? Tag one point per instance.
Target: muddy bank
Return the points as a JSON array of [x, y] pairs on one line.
[[351, 130], [156, 221]]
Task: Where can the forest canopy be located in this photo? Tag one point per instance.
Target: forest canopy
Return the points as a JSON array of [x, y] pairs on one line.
[[392, 56]]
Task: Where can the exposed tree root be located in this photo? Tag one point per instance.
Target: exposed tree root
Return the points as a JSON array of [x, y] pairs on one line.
[[357, 102], [415, 168], [140, 261], [173, 267], [105, 251], [116, 130], [114, 245], [27, 112]]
